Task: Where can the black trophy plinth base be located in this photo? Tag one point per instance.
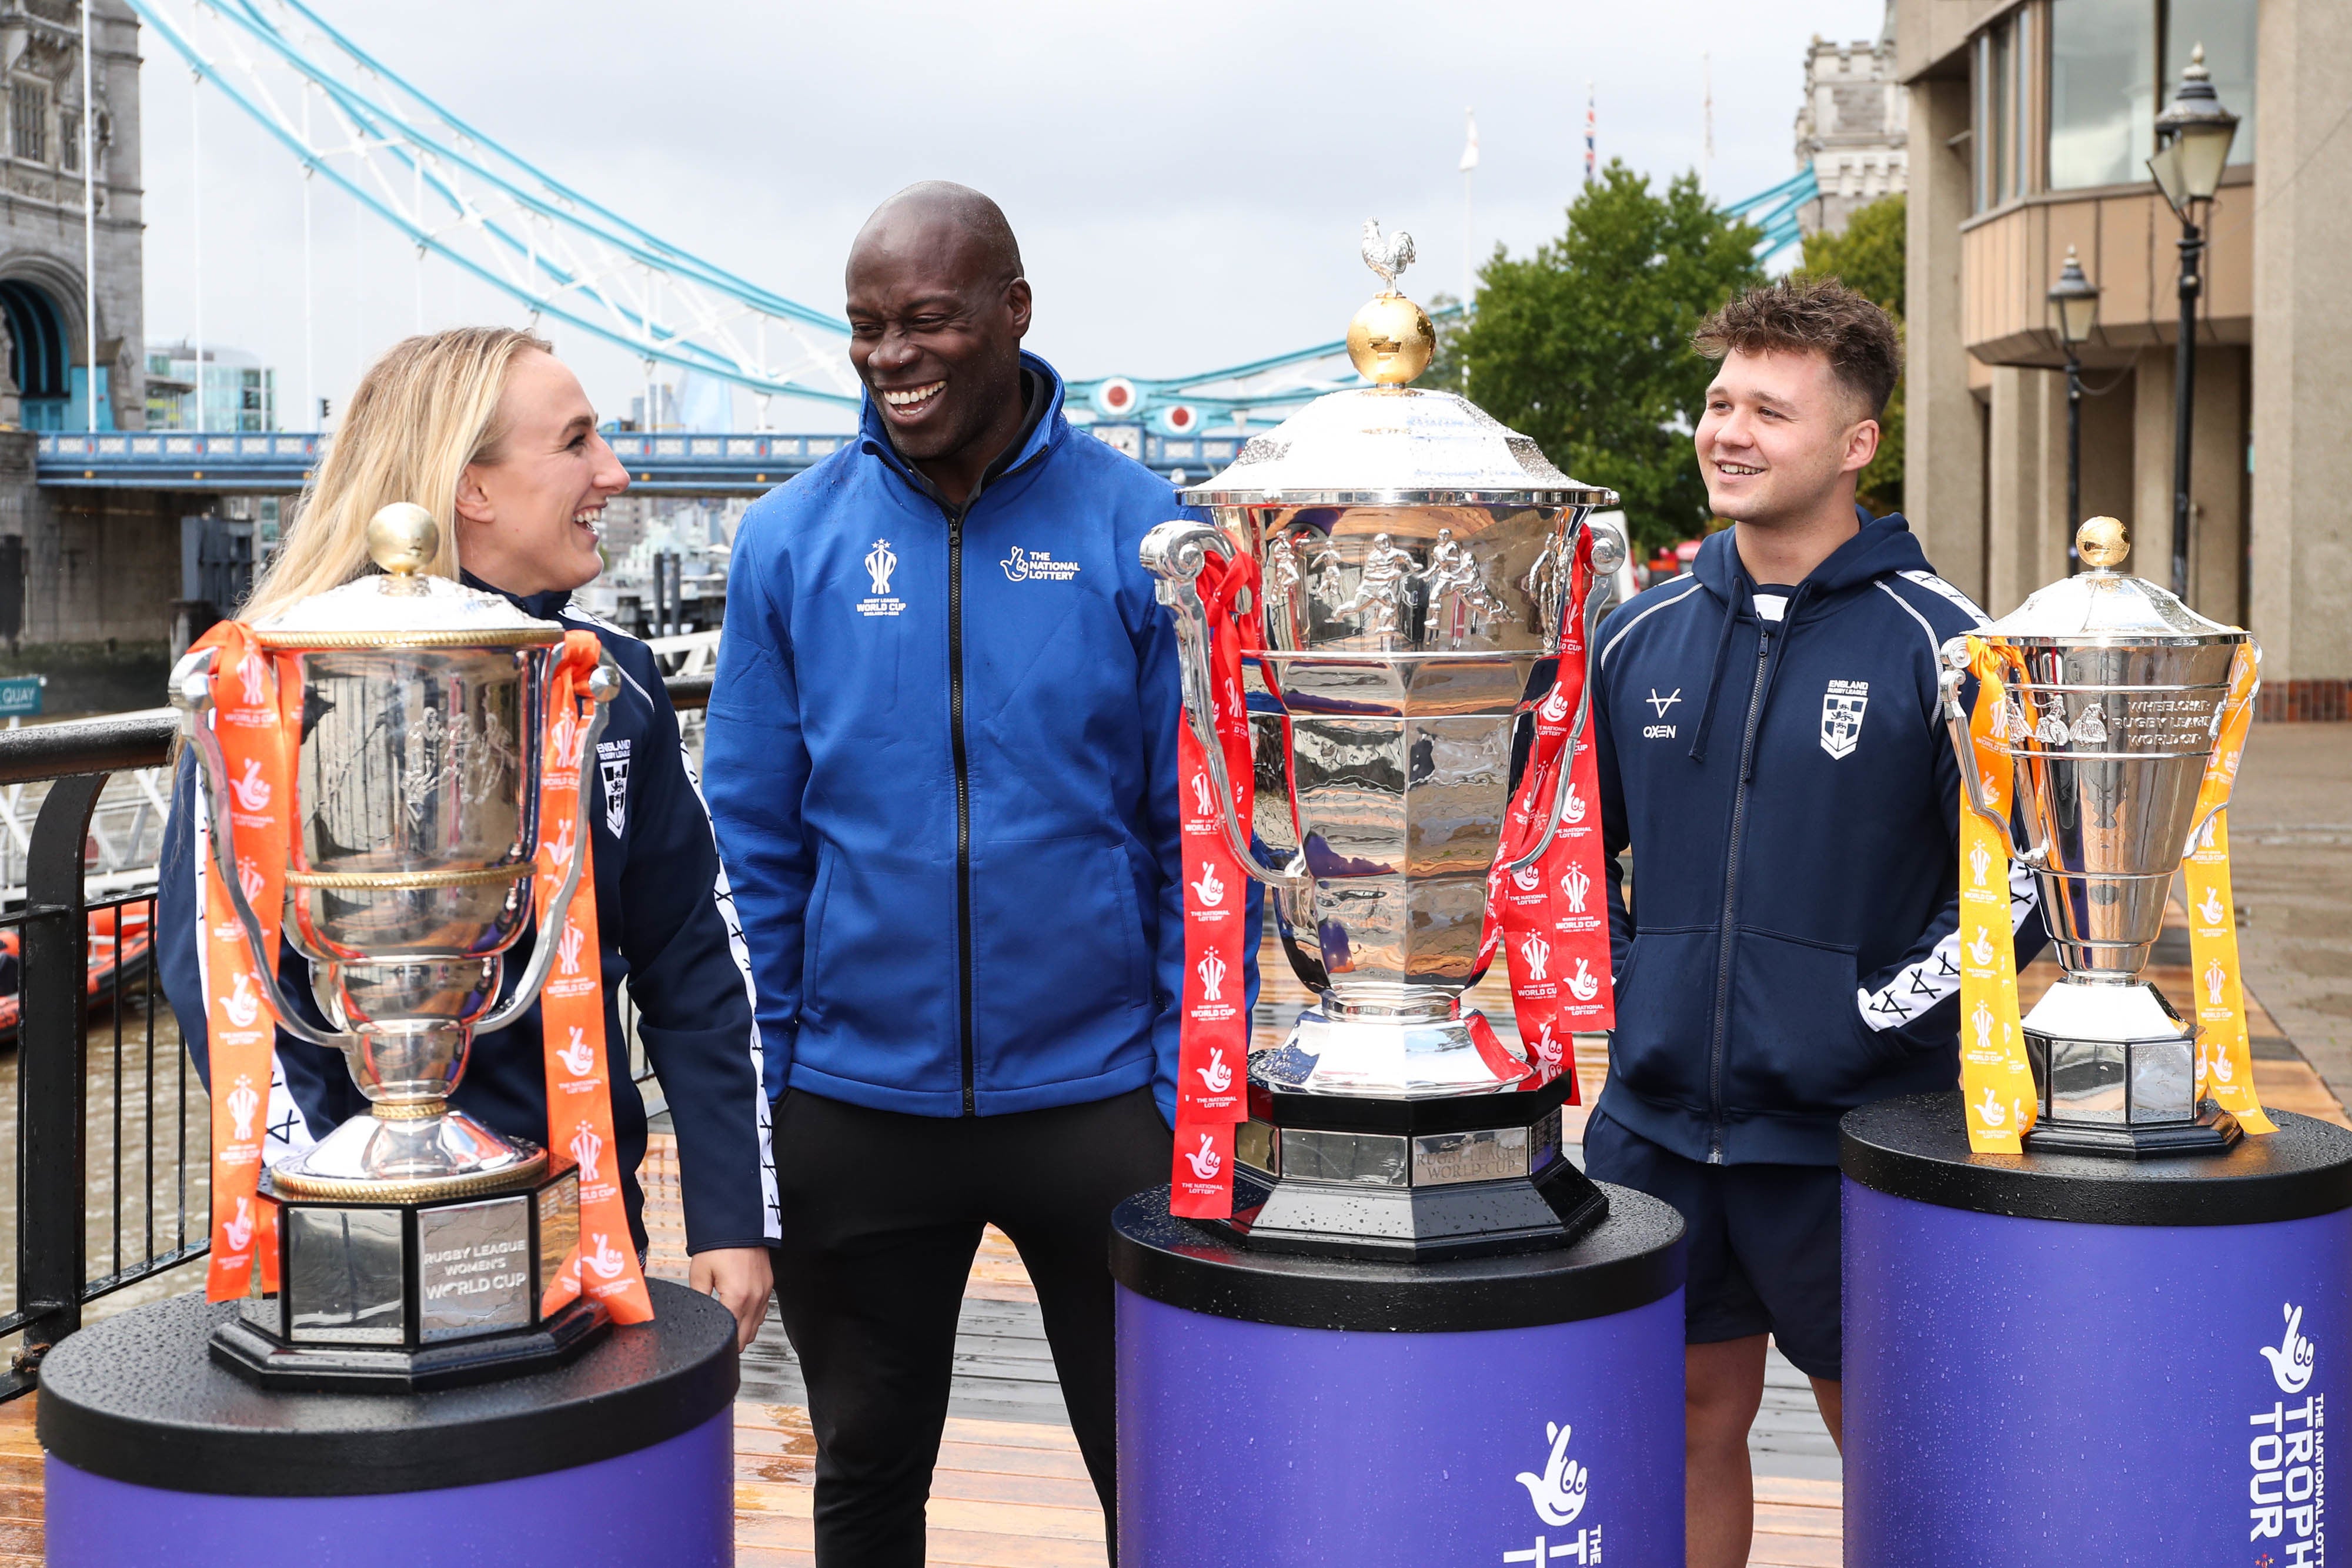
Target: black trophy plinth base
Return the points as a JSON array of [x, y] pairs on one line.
[[1466, 1176], [260, 1358], [2213, 1133], [427, 1293]]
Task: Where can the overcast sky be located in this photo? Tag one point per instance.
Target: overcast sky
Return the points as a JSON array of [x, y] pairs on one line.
[[1187, 182]]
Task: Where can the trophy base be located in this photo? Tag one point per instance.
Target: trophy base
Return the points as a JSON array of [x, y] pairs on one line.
[[2213, 1133], [1330, 1052], [262, 1358], [404, 1154], [396, 1293], [2115, 1074], [1409, 1181]]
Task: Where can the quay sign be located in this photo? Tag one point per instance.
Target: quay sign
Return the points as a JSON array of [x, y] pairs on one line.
[[20, 695]]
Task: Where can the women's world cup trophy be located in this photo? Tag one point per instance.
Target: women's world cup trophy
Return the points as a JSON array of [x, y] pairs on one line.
[[391, 776], [2111, 717], [1384, 632]]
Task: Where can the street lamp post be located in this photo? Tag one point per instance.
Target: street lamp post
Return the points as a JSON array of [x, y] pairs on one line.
[[2074, 300], [2192, 146]]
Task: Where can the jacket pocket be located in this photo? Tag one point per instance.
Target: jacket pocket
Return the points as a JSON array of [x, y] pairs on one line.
[[1061, 961], [1663, 1013], [1795, 1041], [878, 994]]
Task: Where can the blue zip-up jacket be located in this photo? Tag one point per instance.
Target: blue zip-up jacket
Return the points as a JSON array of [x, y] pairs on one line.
[[666, 926], [941, 752], [1790, 793]]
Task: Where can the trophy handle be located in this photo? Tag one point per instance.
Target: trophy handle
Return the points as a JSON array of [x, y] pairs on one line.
[[192, 691], [1174, 553], [603, 686], [2196, 829], [1608, 555], [1956, 720]]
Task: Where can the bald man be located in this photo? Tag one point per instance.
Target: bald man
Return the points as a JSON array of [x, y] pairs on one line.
[[942, 757]]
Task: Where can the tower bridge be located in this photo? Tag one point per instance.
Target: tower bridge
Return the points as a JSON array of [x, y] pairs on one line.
[[94, 509]]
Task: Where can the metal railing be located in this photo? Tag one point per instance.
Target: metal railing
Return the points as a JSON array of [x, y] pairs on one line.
[[112, 1129]]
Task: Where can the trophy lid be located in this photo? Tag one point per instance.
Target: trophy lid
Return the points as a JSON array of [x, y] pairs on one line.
[[1390, 443], [403, 605], [2101, 604]]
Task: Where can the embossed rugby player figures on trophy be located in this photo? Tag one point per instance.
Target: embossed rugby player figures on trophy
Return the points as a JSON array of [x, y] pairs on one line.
[[1405, 563], [413, 1246], [2116, 700]]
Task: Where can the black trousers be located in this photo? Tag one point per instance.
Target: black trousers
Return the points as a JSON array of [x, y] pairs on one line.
[[882, 1215]]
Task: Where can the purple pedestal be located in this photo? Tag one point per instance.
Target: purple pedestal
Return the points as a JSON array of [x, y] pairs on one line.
[[1395, 1439], [669, 1506], [157, 1457], [2054, 1374]]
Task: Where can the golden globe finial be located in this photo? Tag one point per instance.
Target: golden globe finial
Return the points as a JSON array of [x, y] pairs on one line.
[[1390, 340], [2102, 543], [402, 538]]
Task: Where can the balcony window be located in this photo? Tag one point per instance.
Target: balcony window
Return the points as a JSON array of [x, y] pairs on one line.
[[2113, 64], [2226, 28], [2002, 118]]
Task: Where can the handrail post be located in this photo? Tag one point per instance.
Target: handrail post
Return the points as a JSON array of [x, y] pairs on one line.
[[53, 1152]]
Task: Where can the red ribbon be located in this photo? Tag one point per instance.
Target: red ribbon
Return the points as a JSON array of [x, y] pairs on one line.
[[1551, 918], [1213, 1051]]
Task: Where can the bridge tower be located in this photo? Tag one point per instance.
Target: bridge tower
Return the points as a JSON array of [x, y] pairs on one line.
[[98, 563]]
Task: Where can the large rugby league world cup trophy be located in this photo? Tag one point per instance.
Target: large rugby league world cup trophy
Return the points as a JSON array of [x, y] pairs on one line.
[[412, 1246], [1396, 569], [1463, 1348], [2115, 712]]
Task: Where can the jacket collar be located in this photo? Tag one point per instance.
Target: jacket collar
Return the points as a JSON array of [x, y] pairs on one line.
[[1039, 436], [544, 606]]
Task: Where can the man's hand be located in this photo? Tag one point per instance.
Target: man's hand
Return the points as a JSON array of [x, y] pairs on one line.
[[739, 1277]]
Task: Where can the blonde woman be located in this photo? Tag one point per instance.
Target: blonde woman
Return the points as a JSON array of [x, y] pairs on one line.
[[487, 429]]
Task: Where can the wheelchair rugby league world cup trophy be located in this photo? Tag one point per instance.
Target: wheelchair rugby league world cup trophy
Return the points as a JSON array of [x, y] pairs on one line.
[[1399, 592], [412, 1246], [2094, 1300]]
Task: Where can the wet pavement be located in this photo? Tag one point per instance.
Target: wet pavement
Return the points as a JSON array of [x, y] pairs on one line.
[[2291, 867]]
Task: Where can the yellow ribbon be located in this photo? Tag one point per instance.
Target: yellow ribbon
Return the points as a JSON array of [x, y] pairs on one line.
[[2225, 1055], [1996, 1079]]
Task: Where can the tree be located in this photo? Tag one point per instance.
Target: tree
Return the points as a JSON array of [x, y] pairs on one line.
[[1585, 345], [1867, 258]]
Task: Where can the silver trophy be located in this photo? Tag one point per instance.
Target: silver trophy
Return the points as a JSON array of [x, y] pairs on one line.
[[2109, 730], [417, 1245], [1414, 558]]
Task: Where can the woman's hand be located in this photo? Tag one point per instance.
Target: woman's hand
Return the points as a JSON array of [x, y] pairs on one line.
[[739, 1277]]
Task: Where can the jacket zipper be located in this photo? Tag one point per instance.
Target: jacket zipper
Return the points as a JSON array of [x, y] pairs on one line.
[[963, 802], [1726, 937]]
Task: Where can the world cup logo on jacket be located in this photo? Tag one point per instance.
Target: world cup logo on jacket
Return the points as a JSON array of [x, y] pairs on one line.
[[880, 561]]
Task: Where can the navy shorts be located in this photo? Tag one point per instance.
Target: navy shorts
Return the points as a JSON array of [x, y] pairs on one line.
[[1763, 1243]]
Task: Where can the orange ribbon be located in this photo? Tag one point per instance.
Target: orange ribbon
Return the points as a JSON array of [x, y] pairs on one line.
[[2225, 1053], [1996, 1078], [241, 1028], [571, 1014]]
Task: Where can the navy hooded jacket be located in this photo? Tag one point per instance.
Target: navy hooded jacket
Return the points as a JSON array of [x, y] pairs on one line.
[[941, 753], [665, 925], [1790, 793]]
